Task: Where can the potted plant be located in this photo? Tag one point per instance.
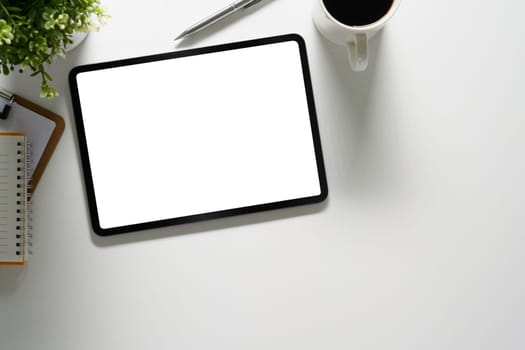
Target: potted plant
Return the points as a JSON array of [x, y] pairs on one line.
[[33, 33]]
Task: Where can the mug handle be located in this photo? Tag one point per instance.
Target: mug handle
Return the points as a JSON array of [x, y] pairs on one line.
[[358, 52]]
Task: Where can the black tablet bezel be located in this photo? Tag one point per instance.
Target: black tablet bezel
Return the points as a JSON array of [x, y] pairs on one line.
[[84, 155]]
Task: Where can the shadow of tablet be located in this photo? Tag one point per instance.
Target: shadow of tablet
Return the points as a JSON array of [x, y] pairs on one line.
[[209, 225], [258, 164]]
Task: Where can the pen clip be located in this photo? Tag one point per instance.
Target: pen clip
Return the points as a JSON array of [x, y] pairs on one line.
[[252, 3]]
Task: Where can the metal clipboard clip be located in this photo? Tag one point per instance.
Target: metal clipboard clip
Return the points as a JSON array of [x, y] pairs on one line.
[[10, 99]]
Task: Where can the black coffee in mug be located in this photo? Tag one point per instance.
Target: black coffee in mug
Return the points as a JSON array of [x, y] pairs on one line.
[[358, 12]]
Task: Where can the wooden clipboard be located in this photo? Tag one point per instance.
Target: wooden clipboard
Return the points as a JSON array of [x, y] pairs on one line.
[[42, 127]]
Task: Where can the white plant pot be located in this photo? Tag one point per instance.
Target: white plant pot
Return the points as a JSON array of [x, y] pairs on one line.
[[78, 38]]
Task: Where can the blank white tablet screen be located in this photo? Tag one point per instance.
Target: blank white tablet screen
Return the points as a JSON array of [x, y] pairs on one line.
[[198, 134]]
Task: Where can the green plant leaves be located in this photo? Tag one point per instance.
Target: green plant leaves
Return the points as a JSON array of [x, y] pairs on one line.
[[34, 33]]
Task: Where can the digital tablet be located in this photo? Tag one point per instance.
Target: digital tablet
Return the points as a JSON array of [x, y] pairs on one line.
[[198, 134]]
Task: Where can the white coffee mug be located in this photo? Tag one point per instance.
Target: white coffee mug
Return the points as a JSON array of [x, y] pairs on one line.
[[354, 37]]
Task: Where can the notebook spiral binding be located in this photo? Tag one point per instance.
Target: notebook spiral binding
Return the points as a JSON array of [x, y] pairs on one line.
[[24, 207], [29, 206]]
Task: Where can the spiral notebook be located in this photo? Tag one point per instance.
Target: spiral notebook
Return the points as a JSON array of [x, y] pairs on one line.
[[198, 134], [15, 225]]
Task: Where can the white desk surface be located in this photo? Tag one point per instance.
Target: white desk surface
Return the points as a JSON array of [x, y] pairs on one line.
[[419, 245]]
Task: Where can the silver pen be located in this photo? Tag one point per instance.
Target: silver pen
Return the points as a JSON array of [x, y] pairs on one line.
[[208, 21]]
